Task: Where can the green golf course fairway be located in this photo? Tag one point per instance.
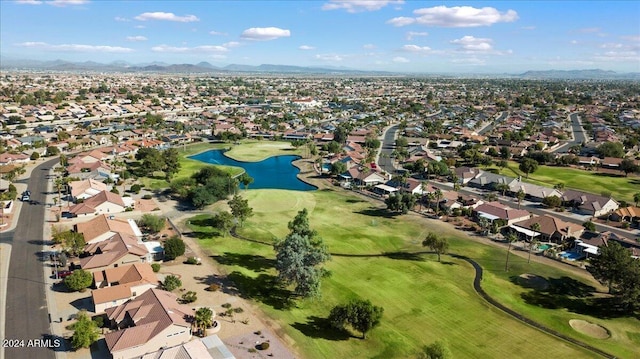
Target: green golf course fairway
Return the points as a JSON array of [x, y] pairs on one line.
[[424, 300]]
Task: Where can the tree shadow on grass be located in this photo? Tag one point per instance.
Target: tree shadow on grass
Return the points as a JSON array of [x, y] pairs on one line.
[[377, 212], [404, 256], [252, 262], [317, 327], [264, 288], [575, 296]]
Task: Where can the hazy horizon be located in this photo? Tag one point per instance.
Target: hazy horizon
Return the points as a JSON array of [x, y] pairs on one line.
[[385, 35]]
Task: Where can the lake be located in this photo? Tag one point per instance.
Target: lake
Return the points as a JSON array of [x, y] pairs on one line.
[[273, 172]]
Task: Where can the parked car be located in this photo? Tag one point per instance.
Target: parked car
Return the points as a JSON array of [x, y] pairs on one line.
[[64, 273]]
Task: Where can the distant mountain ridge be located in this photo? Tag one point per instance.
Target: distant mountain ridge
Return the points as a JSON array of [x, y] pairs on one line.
[[204, 67]]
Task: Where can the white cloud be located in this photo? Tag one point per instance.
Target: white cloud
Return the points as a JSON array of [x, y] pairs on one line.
[[416, 49], [215, 33], [121, 19], [231, 44], [530, 28], [196, 49], [619, 56], [166, 16], [62, 3], [369, 46], [136, 38], [306, 47], [474, 44], [588, 30], [400, 60], [75, 47], [412, 34], [401, 21], [330, 57], [457, 16], [353, 6], [28, 2], [635, 38], [471, 61], [264, 33]]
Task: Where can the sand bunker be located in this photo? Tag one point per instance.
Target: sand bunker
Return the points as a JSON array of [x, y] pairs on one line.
[[533, 281], [590, 329]]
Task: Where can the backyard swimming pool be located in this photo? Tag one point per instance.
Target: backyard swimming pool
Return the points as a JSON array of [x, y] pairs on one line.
[[273, 172], [570, 255]]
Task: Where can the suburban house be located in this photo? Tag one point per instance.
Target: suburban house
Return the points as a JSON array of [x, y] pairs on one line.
[[119, 284], [151, 321], [497, 211], [491, 180], [466, 174], [626, 214], [552, 229], [103, 202], [359, 177], [590, 243], [104, 227], [210, 347], [86, 188], [119, 249], [589, 203], [94, 170], [532, 191]]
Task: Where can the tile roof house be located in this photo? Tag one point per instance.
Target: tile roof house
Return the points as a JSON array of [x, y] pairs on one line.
[[86, 188], [590, 243], [532, 191], [551, 228], [151, 321], [589, 203], [104, 227], [496, 210], [490, 180], [117, 250], [103, 202], [626, 214], [119, 284]]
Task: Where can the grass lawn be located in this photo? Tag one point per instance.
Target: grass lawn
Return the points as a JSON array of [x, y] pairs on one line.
[[248, 151], [621, 188], [424, 300]]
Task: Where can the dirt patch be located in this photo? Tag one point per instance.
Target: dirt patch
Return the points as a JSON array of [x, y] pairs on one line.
[[146, 205], [590, 329], [533, 281]]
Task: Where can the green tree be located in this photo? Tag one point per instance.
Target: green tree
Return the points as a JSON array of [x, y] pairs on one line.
[[360, 314], [437, 350], [589, 226], [528, 165], [502, 187], [85, 331], [299, 257], [203, 319], [615, 268], [245, 179], [223, 221], [439, 245], [534, 241], [151, 223], [171, 162], [611, 149], [53, 151], [73, 242], [338, 168], [628, 165], [552, 201], [636, 198], [78, 280], [171, 283], [34, 156], [520, 195], [174, 247], [240, 209]]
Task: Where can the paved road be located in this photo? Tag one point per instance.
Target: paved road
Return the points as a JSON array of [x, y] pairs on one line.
[[26, 306], [492, 125], [579, 135], [387, 146]]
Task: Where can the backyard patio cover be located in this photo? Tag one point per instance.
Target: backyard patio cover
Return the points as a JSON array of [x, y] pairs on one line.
[[386, 188], [525, 231]]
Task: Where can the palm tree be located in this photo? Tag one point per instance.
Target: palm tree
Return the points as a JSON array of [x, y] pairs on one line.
[[438, 194], [423, 187], [502, 187], [511, 237], [559, 186], [520, 195], [636, 198], [203, 319], [484, 224], [534, 241]]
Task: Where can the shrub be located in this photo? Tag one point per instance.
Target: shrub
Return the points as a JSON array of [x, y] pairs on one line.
[[238, 310], [155, 267], [226, 305], [146, 196], [189, 297], [171, 283], [78, 280], [263, 346], [213, 287], [136, 188], [173, 248]]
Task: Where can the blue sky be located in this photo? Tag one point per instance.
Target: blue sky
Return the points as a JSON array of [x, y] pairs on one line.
[[393, 35]]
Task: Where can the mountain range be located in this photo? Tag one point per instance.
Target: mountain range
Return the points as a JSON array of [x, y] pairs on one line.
[[204, 67]]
